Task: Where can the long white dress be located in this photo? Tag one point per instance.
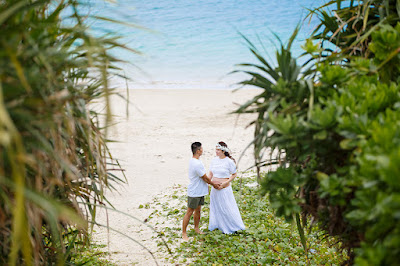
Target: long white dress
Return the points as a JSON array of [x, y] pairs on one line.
[[224, 212]]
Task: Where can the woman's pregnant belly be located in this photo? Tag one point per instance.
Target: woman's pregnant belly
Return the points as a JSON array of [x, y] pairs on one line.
[[219, 180]]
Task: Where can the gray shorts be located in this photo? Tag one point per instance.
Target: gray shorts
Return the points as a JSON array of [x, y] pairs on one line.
[[194, 202]]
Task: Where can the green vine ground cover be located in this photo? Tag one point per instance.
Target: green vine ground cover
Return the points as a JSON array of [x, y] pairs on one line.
[[90, 255], [268, 240]]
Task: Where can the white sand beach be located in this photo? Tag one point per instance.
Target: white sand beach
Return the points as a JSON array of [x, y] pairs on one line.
[[153, 147]]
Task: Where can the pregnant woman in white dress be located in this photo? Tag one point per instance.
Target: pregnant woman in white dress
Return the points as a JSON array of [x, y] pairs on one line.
[[224, 212]]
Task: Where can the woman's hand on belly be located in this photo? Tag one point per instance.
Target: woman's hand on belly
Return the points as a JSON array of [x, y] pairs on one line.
[[225, 183], [221, 181]]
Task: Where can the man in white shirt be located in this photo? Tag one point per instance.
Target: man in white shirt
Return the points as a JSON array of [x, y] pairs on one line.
[[197, 189]]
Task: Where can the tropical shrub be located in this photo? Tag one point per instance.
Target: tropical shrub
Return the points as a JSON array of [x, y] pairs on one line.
[[53, 164], [338, 141]]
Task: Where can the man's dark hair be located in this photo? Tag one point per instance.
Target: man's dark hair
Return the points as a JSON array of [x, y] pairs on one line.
[[195, 147]]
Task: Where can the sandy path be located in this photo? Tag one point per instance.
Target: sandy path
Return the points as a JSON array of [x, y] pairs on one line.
[[154, 149]]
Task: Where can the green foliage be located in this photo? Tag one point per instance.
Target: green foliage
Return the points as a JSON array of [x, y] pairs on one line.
[[338, 142], [267, 240], [53, 154], [385, 46], [347, 25], [80, 253], [282, 186]]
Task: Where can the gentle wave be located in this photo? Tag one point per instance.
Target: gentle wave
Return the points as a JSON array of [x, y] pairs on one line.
[[198, 41]]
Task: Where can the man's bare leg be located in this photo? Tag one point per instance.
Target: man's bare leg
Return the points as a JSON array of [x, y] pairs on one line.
[[196, 218], [185, 223]]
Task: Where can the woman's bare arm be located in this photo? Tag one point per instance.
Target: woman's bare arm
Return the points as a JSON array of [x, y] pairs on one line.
[[227, 182]]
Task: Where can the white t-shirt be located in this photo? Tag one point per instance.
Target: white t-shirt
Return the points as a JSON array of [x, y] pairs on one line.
[[197, 187], [222, 168]]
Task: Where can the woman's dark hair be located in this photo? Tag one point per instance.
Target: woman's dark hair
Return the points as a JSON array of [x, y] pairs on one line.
[[223, 144], [195, 147]]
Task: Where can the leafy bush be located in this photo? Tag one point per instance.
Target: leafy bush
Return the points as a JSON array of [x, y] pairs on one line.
[[53, 164], [338, 140]]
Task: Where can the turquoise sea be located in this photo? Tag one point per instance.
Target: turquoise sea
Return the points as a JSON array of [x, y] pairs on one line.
[[196, 43]]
